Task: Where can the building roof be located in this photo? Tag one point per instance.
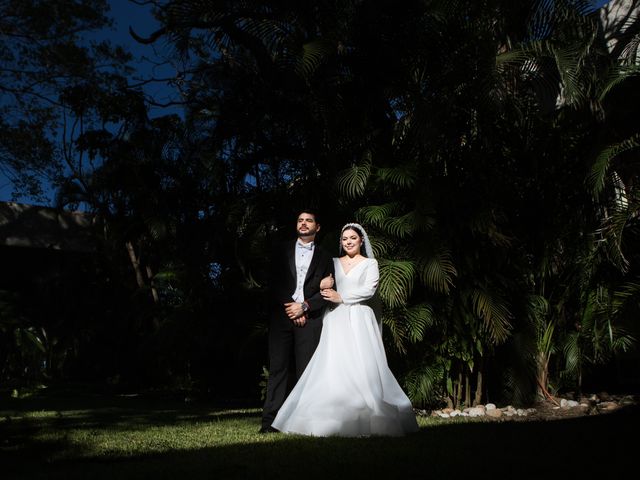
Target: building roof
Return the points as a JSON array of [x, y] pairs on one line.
[[35, 226]]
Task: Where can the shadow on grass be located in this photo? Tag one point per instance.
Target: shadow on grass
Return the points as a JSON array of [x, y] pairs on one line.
[[120, 413], [586, 447]]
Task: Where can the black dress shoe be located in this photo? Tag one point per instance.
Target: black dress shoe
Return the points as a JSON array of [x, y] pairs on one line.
[[268, 429]]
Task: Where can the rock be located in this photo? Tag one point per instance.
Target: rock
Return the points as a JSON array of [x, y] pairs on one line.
[[627, 400], [455, 413], [608, 406], [564, 403], [476, 411], [443, 415], [447, 410], [490, 406], [494, 412], [520, 412], [604, 397]]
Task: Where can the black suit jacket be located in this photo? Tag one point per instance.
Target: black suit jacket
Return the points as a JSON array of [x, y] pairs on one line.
[[283, 277]]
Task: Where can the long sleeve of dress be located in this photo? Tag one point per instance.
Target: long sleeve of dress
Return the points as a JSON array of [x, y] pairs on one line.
[[365, 288]]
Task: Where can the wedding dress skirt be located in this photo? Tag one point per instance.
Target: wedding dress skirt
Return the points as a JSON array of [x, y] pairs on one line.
[[347, 388]]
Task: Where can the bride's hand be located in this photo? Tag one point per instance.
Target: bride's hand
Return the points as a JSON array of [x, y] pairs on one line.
[[331, 295], [326, 282]]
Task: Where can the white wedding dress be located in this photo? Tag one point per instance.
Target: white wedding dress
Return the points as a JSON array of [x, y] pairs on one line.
[[347, 389]]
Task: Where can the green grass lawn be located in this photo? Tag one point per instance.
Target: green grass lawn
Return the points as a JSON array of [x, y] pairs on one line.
[[113, 437]]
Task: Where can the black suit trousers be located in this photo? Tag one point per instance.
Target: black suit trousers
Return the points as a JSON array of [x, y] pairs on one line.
[[284, 338]]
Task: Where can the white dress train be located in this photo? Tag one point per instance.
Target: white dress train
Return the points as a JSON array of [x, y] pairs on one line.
[[347, 389]]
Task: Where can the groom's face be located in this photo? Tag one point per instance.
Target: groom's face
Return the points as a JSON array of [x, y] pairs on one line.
[[307, 226]]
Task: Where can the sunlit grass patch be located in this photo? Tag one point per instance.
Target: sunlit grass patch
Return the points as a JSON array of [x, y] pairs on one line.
[[187, 441]]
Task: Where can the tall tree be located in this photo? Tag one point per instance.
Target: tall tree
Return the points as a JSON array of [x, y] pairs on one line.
[[47, 69]]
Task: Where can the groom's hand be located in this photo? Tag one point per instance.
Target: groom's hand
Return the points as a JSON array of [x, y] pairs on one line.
[[300, 321], [293, 310]]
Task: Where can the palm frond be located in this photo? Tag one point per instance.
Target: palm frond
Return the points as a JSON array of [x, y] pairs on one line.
[[612, 231], [418, 319], [572, 353], [377, 215], [397, 329], [494, 314], [629, 55], [396, 281], [568, 61], [544, 339], [617, 76], [437, 271], [622, 341], [423, 384], [353, 181], [623, 295], [401, 176], [537, 308], [314, 53], [381, 245], [401, 226], [598, 175]]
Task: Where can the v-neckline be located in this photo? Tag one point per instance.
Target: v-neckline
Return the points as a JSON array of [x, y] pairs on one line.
[[345, 273]]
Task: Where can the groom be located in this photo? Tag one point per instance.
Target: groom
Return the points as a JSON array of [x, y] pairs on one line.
[[296, 319]]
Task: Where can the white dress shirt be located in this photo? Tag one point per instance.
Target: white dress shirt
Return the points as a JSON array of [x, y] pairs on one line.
[[304, 253]]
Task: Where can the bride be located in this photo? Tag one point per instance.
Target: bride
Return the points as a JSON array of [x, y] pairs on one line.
[[347, 389]]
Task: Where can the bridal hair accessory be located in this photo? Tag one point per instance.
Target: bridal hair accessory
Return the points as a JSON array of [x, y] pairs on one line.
[[365, 238]]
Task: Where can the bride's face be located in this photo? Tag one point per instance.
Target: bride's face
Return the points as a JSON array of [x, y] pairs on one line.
[[351, 242]]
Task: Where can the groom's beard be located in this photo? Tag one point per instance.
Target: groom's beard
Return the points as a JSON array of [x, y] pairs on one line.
[[308, 235]]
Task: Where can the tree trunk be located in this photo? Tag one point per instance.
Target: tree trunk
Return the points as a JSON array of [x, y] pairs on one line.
[[154, 290], [542, 379], [459, 391], [135, 261], [478, 397], [467, 391]]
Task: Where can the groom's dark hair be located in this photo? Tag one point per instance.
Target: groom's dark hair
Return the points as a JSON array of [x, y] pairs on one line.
[[312, 211]]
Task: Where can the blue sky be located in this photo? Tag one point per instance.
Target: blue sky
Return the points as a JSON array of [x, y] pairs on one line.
[[140, 18], [126, 14]]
